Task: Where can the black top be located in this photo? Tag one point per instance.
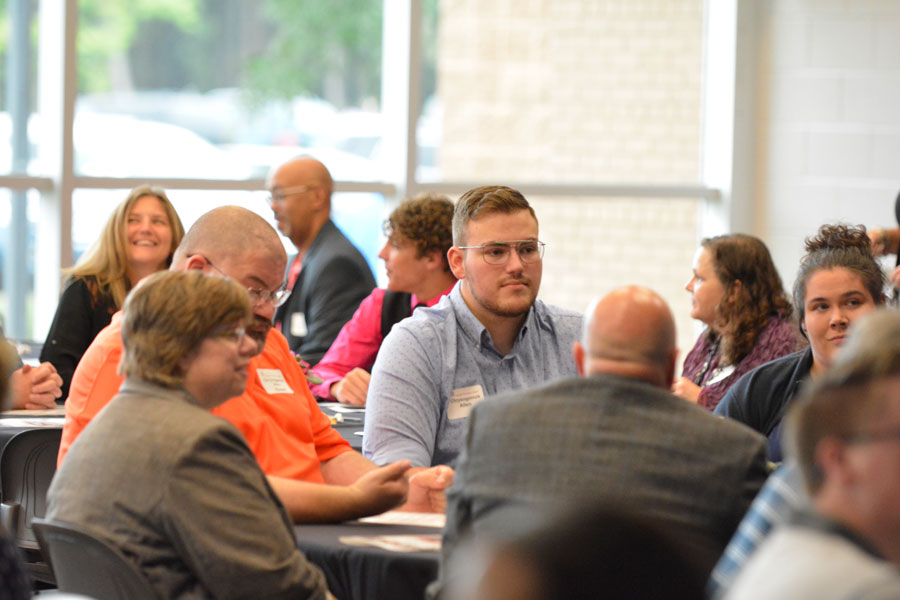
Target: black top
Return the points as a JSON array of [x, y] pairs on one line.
[[394, 308], [79, 318], [761, 398]]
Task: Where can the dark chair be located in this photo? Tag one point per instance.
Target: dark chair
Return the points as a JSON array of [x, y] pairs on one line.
[[27, 465], [85, 564]]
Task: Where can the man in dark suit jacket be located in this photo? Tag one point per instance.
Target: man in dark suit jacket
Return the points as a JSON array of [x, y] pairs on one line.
[[616, 435], [328, 277]]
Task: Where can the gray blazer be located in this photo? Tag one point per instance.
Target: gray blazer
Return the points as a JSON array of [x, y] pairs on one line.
[[178, 491], [603, 439]]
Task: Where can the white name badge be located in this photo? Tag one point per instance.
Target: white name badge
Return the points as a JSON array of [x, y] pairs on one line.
[[298, 325], [462, 400], [273, 381], [725, 372]]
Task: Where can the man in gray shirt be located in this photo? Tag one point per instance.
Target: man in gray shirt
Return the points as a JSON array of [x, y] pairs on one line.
[[490, 335]]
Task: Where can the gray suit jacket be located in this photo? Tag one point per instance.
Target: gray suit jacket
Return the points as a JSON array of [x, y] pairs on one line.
[[178, 491], [334, 279], [603, 439]]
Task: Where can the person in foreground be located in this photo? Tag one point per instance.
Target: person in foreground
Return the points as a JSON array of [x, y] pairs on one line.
[[138, 239], [328, 277], [173, 487], [415, 257], [615, 436], [737, 293], [587, 553], [838, 282], [844, 432], [318, 477], [489, 335]]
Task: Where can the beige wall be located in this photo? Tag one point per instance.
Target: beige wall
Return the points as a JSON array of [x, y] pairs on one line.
[[575, 91]]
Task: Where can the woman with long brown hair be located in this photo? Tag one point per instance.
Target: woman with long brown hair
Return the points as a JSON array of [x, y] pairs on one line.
[[737, 293]]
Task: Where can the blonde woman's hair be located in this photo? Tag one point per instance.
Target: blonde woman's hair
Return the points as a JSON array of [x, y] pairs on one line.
[[104, 266], [169, 314]]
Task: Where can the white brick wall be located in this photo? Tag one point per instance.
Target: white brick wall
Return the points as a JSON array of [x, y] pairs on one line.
[[582, 91], [829, 137]]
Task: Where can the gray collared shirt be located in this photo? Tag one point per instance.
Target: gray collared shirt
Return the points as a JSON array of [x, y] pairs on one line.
[[434, 366]]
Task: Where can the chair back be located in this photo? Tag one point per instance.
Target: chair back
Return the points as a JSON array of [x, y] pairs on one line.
[[27, 465], [85, 564]]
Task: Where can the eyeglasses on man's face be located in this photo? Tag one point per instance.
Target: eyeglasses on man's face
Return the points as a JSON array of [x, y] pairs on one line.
[[278, 196], [497, 253], [259, 296]]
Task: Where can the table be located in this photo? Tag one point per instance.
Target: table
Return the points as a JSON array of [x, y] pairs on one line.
[[367, 572], [352, 426]]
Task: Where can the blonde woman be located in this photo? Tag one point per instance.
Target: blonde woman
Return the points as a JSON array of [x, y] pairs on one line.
[[138, 240]]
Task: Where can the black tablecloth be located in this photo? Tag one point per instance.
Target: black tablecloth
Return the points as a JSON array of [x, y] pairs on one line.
[[352, 425], [366, 572]]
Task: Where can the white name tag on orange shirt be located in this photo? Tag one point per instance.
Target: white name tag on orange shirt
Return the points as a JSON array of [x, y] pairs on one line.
[[273, 381], [462, 400]]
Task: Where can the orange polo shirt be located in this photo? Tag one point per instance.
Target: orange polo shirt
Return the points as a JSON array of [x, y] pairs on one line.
[[284, 426]]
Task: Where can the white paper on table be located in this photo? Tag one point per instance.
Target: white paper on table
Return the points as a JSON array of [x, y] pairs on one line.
[[59, 411], [397, 543], [341, 408], [399, 517], [30, 422]]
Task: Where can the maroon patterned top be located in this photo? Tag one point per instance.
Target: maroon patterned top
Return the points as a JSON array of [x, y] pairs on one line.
[[778, 338]]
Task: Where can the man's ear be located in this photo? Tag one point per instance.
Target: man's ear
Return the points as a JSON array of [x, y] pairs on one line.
[[434, 260], [831, 458], [578, 355], [320, 194], [455, 257], [196, 263]]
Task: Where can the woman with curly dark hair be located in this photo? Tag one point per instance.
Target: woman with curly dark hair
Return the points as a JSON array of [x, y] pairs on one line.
[[838, 281], [736, 291]]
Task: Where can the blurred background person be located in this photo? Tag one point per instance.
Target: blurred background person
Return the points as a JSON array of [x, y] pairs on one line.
[[737, 293], [838, 282], [31, 388], [14, 581], [138, 239], [328, 277], [887, 241], [419, 233], [173, 487]]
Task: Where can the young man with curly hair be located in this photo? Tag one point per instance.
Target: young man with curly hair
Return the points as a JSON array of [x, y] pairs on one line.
[[419, 234]]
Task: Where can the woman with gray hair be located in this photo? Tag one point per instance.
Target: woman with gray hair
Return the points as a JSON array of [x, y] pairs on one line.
[[173, 487]]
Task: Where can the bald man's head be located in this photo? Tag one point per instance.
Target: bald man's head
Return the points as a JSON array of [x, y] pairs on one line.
[[301, 171], [230, 233], [629, 332], [241, 245], [301, 199]]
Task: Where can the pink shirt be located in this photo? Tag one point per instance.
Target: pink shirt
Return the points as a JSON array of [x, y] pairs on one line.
[[358, 342]]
